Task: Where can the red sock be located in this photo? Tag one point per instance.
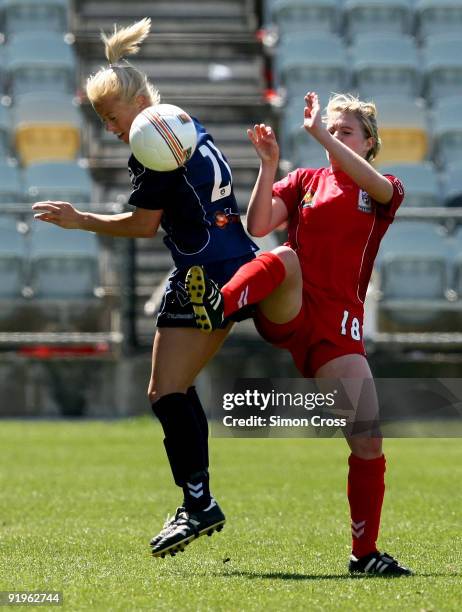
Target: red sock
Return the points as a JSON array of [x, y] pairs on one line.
[[252, 282], [366, 487]]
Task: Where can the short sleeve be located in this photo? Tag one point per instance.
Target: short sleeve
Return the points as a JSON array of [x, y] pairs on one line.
[[389, 210], [288, 189]]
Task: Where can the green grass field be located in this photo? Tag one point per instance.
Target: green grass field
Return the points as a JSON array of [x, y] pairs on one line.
[[80, 501]]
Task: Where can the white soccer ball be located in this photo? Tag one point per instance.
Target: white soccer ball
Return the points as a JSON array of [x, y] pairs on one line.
[[163, 137]]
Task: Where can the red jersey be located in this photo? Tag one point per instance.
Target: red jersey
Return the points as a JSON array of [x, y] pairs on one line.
[[335, 228]]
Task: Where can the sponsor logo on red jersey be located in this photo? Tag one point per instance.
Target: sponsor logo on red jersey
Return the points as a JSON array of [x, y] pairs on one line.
[[308, 199], [364, 202]]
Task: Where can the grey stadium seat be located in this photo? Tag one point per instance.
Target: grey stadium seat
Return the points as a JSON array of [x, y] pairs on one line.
[[442, 56], [11, 188], [365, 16], [64, 263], [438, 16], [12, 259], [301, 15], [35, 15], [386, 64], [421, 183], [311, 61], [452, 184], [5, 132], [40, 62], [447, 131], [415, 272], [58, 181]]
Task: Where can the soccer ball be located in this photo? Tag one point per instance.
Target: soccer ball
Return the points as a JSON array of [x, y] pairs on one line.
[[163, 137]]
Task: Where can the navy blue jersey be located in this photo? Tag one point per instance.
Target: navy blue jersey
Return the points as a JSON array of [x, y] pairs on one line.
[[200, 213]]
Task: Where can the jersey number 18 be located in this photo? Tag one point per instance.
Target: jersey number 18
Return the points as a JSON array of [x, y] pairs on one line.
[[354, 327]]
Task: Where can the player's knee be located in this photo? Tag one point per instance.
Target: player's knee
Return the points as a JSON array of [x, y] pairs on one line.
[[366, 448], [291, 262]]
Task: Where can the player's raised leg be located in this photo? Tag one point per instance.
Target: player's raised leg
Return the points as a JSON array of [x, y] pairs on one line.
[[178, 356], [273, 280]]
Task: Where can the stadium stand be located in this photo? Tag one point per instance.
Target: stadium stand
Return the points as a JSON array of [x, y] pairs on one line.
[[447, 131], [318, 59], [415, 275], [5, 132], [12, 259], [422, 184], [438, 16], [34, 15], [442, 61], [63, 264], [11, 187], [403, 130], [38, 62], [46, 127], [452, 184], [366, 16], [294, 16], [385, 64], [66, 181]]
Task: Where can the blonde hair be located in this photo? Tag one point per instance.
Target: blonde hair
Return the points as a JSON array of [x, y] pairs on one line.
[[120, 79], [365, 112]]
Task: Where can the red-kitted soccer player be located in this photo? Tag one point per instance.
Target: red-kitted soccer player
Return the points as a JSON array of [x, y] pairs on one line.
[[310, 292]]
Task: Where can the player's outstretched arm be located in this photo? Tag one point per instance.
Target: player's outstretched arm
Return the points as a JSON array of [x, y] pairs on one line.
[[264, 212], [360, 170], [141, 223]]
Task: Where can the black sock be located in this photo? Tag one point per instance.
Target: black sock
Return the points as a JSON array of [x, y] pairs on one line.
[[201, 418], [186, 448], [196, 492]]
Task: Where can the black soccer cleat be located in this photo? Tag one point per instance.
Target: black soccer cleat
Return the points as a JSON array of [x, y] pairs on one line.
[[206, 299], [188, 526], [168, 525], [378, 564]]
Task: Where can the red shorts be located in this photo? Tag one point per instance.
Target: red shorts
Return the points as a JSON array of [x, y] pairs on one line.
[[323, 330]]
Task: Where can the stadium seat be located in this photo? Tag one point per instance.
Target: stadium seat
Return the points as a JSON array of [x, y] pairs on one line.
[[438, 17], [421, 183], [452, 184], [292, 16], [415, 272], [366, 16], [10, 184], [12, 258], [39, 62], [5, 132], [442, 56], [35, 15], [64, 263], [457, 264], [385, 64], [46, 127], [403, 129], [316, 61], [447, 131], [57, 181]]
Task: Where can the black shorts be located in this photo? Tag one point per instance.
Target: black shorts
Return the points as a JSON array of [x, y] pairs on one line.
[[176, 310]]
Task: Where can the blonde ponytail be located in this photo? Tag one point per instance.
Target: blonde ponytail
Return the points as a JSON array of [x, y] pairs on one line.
[[120, 79]]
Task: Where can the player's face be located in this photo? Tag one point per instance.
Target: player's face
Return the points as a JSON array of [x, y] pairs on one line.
[[347, 128], [118, 115]]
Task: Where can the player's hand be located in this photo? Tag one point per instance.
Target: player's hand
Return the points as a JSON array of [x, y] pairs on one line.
[[62, 214], [312, 121], [264, 140]]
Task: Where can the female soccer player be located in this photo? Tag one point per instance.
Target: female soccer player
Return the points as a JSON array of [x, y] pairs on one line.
[[310, 293], [202, 226]]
